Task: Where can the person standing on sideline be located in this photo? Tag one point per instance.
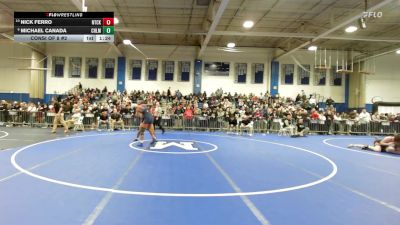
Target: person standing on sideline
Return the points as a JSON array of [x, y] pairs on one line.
[[59, 117], [156, 111]]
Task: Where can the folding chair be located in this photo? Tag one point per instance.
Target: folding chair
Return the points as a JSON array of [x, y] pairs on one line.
[[78, 124], [286, 131], [247, 128]]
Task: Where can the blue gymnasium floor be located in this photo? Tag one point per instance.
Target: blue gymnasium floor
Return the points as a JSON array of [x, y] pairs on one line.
[[103, 178]]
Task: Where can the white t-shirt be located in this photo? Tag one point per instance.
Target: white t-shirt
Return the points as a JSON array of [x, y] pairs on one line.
[[364, 117]]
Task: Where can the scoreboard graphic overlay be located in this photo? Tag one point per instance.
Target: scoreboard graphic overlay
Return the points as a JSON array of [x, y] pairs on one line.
[[64, 26]]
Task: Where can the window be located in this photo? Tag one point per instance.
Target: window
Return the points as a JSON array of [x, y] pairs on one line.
[[109, 66], [304, 74], [184, 71], [152, 67], [58, 66], [216, 68], [287, 74], [92, 65], [320, 77], [336, 78], [136, 71], [75, 65], [169, 67], [258, 73], [241, 72]]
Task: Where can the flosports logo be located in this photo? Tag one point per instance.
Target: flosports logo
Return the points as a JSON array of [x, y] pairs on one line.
[[372, 14], [175, 146], [186, 145]]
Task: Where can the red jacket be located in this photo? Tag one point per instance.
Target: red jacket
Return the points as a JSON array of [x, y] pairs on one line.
[[314, 115], [188, 114]]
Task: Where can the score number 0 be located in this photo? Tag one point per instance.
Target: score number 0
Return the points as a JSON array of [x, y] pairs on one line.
[[108, 21]]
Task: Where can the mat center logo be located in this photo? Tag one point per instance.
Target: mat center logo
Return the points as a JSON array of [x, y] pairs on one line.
[[174, 146], [185, 145]]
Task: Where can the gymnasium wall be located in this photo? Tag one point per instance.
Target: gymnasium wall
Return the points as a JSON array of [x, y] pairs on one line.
[[60, 85], [161, 53], [18, 81], [186, 53], [189, 53], [12, 80], [307, 57], [385, 83], [228, 83]]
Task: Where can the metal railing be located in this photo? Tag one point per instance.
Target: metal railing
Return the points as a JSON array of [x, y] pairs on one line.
[[201, 123]]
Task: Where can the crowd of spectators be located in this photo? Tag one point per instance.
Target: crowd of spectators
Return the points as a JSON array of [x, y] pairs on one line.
[[219, 105]]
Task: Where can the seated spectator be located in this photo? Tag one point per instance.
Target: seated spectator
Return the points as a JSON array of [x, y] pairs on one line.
[[103, 120], [375, 117], [116, 119], [188, 113], [364, 116], [353, 115], [314, 114], [3, 105], [246, 124], [383, 117], [15, 106], [220, 113], [170, 111], [312, 101], [179, 111], [76, 111], [321, 116], [125, 109], [392, 117], [301, 130], [337, 117], [196, 111], [287, 125], [288, 121], [257, 113], [31, 107], [329, 101], [76, 114], [205, 112], [232, 123], [298, 98]]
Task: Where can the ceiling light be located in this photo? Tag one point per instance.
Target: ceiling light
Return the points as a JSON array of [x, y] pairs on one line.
[[351, 29], [116, 20], [248, 24], [313, 48], [398, 52], [231, 45], [127, 42], [362, 23]]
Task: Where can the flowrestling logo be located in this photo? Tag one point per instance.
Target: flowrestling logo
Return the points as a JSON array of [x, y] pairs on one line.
[[175, 146]]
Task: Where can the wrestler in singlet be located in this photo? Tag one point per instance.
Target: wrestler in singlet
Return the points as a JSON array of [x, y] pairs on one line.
[[146, 124], [388, 144]]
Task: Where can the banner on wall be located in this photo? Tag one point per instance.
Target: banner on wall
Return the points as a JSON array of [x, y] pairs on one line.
[[258, 73], [185, 70], [241, 72], [152, 69]]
